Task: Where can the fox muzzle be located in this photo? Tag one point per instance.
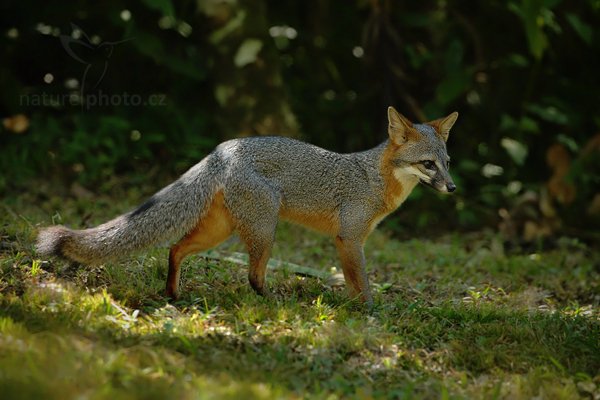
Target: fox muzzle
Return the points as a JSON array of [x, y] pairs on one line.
[[440, 186]]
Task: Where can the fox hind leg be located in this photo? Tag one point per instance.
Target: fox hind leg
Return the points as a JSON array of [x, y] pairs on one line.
[[259, 252], [256, 221], [216, 226]]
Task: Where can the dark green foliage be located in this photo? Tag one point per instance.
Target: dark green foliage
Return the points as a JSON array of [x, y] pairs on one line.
[[187, 75]]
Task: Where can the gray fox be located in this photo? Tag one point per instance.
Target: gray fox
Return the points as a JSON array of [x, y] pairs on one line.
[[246, 185]]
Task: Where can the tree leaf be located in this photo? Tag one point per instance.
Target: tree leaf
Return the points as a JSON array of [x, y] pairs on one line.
[[583, 30], [515, 149], [548, 113], [530, 12], [231, 26], [247, 52], [164, 6]]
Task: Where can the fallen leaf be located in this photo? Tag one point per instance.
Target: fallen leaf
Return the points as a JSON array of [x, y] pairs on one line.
[[17, 123]]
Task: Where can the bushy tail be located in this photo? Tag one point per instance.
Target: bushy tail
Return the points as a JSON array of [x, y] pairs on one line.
[[167, 215]]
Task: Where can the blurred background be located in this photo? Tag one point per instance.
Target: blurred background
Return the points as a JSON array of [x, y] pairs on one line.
[[99, 95]]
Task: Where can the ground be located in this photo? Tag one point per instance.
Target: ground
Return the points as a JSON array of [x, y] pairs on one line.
[[455, 316]]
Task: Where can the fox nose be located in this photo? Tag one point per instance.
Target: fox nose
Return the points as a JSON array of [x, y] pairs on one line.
[[451, 187]]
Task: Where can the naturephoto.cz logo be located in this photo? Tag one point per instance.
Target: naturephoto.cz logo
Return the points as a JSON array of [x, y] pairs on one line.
[[90, 100], [94, 56]]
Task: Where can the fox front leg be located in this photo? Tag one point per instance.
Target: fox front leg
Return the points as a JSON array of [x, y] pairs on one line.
[[353, 262]]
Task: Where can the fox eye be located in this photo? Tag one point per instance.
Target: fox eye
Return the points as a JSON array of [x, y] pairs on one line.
[[428, 164]]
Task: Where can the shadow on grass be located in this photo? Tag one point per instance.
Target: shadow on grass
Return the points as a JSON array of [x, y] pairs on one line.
[[326, 346], [340, 362]]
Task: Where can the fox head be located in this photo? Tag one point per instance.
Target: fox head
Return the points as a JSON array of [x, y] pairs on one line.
[[421, 149]]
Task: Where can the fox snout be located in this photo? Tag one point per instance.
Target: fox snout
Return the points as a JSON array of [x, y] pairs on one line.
[[441, 185], [436, 175], [442, 181]]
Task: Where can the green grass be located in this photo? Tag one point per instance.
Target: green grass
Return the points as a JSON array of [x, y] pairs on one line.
[[454, 317]]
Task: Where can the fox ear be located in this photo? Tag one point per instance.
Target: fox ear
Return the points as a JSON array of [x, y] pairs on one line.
[[443, 125], [398, 126]]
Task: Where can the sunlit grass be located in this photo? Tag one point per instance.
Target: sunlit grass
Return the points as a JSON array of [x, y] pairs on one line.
[[454, 317]]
